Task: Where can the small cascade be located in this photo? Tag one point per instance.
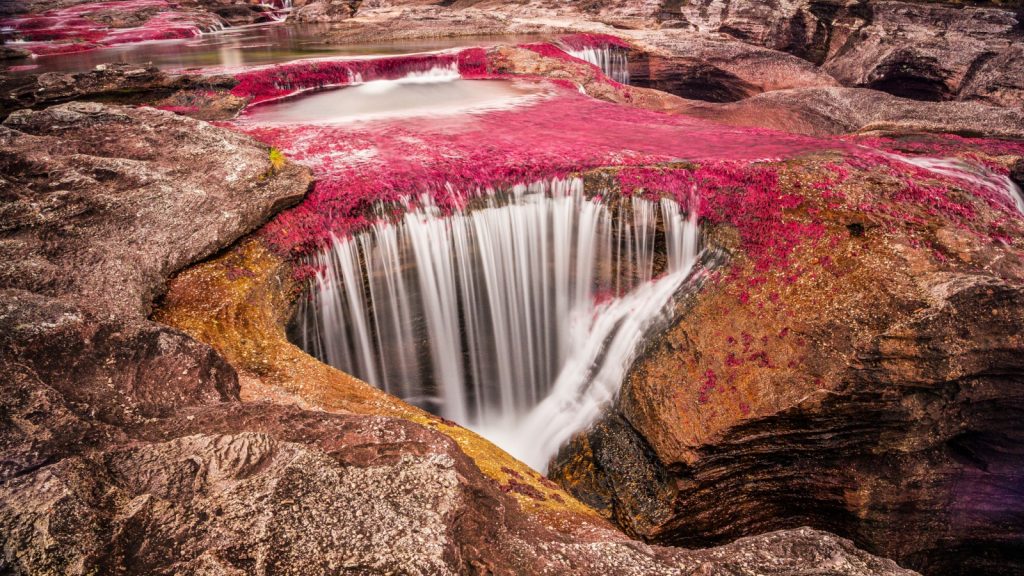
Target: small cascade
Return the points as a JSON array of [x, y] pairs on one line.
[[212, 29], [517, 317], [998, 184], [440, 73], [274, 82], [610, 59]]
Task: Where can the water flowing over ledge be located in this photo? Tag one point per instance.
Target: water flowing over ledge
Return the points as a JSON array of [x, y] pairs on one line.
[[612, 61], [437, 91], [979, 177], [518, 318]]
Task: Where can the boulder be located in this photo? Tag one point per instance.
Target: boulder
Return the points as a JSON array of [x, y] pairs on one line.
[[95, 192]]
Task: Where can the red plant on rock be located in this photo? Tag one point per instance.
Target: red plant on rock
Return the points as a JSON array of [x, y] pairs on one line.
[[580, 41], [73, 29]]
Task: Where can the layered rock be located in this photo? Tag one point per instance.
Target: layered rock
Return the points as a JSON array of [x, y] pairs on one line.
[[704, 67], [124, 83], [833, 111], [920, 50], [871, 386]]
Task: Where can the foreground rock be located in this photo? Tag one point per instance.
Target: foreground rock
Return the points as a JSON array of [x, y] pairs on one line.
[[111, 182], [126, 448]]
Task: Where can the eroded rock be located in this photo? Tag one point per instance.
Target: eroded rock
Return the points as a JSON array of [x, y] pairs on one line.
[[827, 111], [125, 447], [94, 191], [872, 387], [126, 83], [920, 50]]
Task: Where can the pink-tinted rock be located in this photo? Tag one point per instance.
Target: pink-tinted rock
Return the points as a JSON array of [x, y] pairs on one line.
[[825, 111], [921, 50]]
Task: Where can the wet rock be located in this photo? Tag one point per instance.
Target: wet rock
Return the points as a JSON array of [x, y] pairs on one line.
[[126, 83], [124, 446], [880, 400], [93, 191]]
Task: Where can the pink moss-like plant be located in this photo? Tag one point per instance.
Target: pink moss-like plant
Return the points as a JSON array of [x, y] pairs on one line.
[[365, 165], [581, 41], [71, 29], [274, 82]]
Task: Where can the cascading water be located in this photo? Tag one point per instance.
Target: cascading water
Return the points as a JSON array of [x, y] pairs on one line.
[[435, 91], [611, 60], [956, 168], [517, 318]]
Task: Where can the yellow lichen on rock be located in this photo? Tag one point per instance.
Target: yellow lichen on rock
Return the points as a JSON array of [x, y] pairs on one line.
[[239, 303]]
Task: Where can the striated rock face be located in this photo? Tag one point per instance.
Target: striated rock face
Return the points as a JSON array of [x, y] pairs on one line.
[[125, 83], [920, 50], [934, 52], [706, 67], [873, 386]]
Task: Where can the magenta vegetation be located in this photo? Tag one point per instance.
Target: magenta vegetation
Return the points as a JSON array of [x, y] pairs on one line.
[[580, 41], [79, 28], [363, 166], [274, 82]]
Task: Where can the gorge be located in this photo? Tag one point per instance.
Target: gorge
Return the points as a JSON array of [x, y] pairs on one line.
[[491, 287]]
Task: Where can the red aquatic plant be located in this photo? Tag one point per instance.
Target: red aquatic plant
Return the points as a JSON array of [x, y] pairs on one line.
[[580, 41], [74, 29]]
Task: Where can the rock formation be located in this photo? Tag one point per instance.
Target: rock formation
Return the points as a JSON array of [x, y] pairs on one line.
[[846, 387], [868, 387], [922, 50], [125, 83], [126, 447]]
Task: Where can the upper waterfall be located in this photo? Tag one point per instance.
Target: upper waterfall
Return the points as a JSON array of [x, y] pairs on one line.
[[611, 60], [523, 311]]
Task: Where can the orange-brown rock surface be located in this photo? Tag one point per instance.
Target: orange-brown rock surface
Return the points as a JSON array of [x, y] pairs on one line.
[[871, 386]]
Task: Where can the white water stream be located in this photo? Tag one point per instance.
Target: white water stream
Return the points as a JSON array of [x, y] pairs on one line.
[[439, 91], [612, 61], [961, 170], [518, 318]]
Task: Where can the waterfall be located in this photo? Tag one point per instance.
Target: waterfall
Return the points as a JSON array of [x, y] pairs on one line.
[[517, 317], [440, 73], [611, 60], [1000, 184]]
